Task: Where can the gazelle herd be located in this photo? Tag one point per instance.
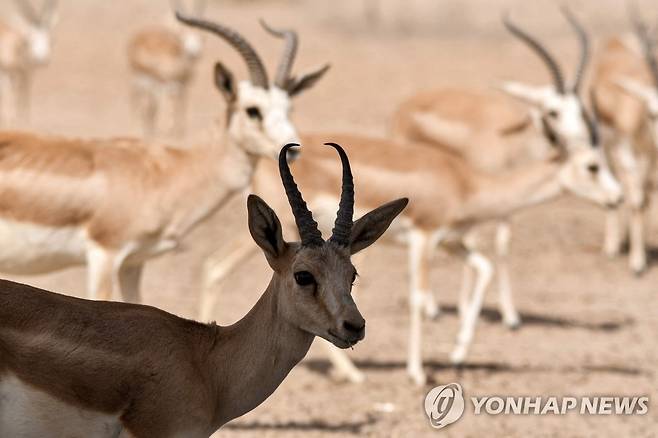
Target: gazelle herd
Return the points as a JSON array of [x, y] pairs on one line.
[[462, 157]]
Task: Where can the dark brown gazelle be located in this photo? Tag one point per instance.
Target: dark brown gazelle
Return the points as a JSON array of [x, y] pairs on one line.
[[346, 326], [137, 371]]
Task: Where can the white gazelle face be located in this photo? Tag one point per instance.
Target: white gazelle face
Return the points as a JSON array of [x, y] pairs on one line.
[[261, 120], [587, 174], [563, 112]]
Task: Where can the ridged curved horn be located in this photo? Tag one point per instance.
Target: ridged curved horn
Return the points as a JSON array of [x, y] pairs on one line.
[[583, 39], [592, 119], [647, 41], [308, 228], [289, 53], [540, 50], [343, 225], [257, 71]]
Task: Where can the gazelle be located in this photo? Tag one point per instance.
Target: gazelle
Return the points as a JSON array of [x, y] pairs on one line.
[[162, 60], [495, 134], [113, 204], [72, 367], [624, 94], [25, 45], [450, 197]]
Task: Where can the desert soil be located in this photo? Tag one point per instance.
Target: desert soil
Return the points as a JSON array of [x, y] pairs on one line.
[[589, 326]]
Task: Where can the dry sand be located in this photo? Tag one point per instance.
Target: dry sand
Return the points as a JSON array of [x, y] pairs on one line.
[[589, 326]]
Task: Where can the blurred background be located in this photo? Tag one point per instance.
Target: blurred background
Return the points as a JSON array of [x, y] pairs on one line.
[[589, 324]]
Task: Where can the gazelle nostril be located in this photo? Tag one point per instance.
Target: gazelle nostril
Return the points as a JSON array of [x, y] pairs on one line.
[[354, 327]]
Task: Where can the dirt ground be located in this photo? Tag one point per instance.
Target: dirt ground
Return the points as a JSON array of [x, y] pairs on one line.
[[589, 326]]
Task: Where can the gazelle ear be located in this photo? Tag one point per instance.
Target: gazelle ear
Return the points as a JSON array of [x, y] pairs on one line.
[[225, 82], [265, 229], [637, 89], [367, 229], [529, 94], [296, 86]]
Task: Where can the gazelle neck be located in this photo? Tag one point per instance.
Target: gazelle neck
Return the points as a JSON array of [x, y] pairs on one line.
[[251, 358], [213, 173], [527, 185], [235, 165]]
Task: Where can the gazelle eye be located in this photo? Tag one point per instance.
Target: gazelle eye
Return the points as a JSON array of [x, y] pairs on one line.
[[593, 168], [254, 113], [304, 278]]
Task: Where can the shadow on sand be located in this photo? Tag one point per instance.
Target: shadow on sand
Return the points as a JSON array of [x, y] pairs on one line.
[[533, 319], [350, 427], [433, 366]]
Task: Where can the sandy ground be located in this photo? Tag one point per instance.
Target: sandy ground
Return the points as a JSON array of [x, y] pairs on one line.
[[589, 325]]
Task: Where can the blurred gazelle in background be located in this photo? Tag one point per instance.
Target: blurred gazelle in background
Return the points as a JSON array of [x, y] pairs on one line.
[[493, 134], [624, 94], [25, 45], [162, 60], [113, 204]]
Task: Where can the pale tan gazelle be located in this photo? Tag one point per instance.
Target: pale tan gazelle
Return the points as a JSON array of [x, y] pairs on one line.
[[72, 367], [624, 94], [162, 61], [448, 197], [496, 134], [25, 45], [115, 203]]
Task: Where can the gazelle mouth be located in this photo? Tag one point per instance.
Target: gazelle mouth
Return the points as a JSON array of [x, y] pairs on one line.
[[344, 342]]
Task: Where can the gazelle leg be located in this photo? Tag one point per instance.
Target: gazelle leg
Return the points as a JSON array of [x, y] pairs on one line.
[[145, 104], [506, 301], [178, 97], [613, 233], [419, 265], [100, 273], [431, 307], [638, 254], [470, 240], [484, 271], [129, 280], [465, 290], [216, 268], [4, 86], [23, 91]]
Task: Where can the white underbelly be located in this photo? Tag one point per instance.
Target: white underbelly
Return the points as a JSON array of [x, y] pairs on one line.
[[27, 248], [26, 412]]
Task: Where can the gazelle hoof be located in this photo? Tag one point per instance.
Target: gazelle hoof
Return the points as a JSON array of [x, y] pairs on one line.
[[352, 376], [458, 355], [638, 267], [432, 312], [512, 322], [418, 377]]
